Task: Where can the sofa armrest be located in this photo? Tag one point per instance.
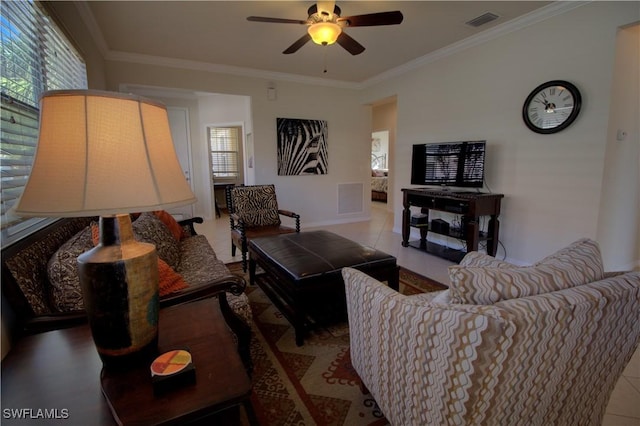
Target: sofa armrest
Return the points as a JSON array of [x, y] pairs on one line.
[[232, 283], [43, 323], [188, 224]]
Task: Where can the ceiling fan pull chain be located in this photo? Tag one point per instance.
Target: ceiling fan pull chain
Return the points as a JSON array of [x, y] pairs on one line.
[[324, 54]]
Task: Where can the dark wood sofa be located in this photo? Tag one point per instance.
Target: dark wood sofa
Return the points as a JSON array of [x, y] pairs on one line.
[[27, 307]]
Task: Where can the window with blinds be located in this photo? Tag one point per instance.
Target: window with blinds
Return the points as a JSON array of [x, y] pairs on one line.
[[35, 57], [224, 144]]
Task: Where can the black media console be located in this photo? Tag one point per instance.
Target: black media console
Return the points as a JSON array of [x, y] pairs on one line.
[[470, 205]]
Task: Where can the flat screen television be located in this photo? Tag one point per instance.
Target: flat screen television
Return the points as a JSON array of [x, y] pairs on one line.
[[449, 164]]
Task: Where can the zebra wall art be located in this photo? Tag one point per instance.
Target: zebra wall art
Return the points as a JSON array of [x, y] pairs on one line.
[[302, 147]]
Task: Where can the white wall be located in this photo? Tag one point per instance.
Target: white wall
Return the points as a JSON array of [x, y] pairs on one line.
[[349, 142], [349, 146], [217, 110], [619, 220], [552, 183]]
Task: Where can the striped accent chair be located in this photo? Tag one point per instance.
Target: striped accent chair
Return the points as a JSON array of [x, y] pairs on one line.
[[254, 212], [539, 345]]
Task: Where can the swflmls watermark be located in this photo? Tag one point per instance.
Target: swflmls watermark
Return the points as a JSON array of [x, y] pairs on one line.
[[36, 413]]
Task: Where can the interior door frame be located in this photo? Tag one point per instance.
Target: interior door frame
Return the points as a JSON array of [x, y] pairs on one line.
[[179, 143], [242, 160]]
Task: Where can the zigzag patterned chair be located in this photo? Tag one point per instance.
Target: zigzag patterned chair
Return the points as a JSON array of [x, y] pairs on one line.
[[505, 345], [254, 212]]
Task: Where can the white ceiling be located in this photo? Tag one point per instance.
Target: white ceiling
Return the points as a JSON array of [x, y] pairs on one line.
[[217, 34]]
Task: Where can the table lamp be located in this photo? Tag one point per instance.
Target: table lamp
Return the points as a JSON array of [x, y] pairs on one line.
[[109, 154]]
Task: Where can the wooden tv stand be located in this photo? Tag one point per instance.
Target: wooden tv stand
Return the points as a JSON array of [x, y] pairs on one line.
[[470, 205]]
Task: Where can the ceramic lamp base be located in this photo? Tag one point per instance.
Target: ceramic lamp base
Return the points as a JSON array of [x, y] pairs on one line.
[[119, 280]]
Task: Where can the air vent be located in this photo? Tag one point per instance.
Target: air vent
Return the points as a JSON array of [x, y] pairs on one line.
[[485, 18]]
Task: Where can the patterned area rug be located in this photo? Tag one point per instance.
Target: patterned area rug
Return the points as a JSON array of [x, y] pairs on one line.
[[412, 283], [314, 384]]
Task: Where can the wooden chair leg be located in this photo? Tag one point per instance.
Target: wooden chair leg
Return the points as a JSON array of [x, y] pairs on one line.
[[244, 261], [244, 250]]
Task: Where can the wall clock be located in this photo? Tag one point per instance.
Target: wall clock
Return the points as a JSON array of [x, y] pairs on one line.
[[551, 107]]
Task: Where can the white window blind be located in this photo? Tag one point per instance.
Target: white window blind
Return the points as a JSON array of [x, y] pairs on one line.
[[224, 144], [35, 57]]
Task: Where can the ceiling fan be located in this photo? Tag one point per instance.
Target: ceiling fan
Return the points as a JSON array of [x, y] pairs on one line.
[[325, 26]]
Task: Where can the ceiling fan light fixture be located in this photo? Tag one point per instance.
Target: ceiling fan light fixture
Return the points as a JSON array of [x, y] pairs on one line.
[[324, 33]]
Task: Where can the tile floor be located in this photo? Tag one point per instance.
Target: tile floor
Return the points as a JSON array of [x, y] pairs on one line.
[[624, 406]]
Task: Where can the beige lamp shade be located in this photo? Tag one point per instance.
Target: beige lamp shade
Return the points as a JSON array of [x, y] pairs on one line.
[[102, 153]]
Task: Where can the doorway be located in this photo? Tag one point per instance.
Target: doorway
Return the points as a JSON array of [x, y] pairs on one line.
[[226, 160], [383, 138], [379, 165]]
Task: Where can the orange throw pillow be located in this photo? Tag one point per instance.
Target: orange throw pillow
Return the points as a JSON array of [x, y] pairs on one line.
[[170, 222], [169, 280]]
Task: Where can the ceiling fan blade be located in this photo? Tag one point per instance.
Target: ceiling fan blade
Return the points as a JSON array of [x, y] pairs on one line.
[[298, 44], [373, 19], [349, 44], [275, 20]]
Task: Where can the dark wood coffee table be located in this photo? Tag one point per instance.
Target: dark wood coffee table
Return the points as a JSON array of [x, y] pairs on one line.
[[304, 274], [61, 370]]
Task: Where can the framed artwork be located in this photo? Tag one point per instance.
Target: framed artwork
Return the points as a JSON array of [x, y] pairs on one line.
[[302, 147]]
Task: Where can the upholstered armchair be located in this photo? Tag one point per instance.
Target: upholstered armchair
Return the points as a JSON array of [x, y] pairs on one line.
[[254, 212], [502, 346]]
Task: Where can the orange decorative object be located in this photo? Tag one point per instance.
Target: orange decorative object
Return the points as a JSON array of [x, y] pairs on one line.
[[170, 363], [172, 370]]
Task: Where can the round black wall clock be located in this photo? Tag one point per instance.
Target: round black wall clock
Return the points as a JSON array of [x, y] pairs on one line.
[[551, 107]]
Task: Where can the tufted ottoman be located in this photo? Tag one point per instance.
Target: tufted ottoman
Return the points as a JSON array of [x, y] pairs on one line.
[[303, 274]]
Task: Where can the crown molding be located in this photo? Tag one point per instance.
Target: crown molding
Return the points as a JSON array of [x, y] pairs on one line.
[[92, 25], [554, 9], [224, 69], [111, 55], [542, 14]]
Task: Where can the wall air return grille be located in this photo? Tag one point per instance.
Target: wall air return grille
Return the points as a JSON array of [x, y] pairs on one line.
[[485, 18]]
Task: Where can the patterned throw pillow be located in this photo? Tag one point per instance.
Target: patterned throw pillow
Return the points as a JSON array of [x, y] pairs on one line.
[[577, 264], [170, 222], [65, 290], [476, 258], [472, 259], [169, 281], [66, 293], [257, 205], [149, 229]]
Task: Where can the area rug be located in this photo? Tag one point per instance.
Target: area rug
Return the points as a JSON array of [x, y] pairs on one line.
[[314, 384]]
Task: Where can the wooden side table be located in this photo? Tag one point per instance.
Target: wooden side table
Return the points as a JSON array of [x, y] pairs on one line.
[[61, 370]]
